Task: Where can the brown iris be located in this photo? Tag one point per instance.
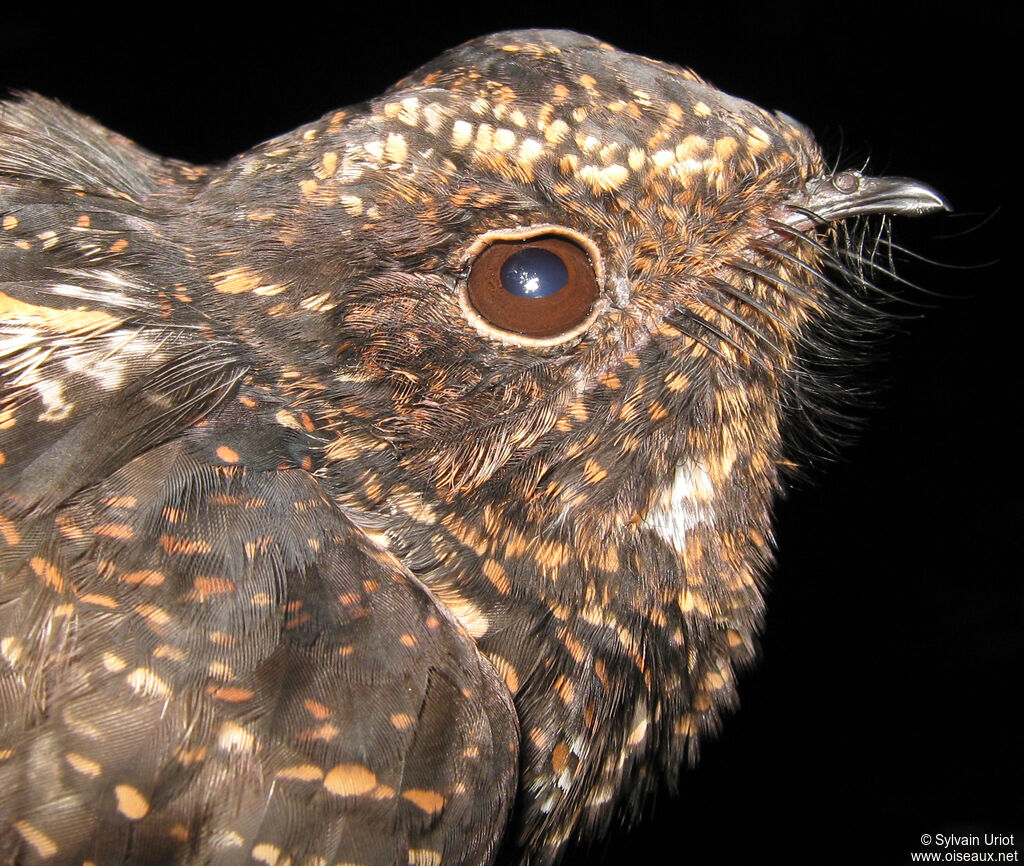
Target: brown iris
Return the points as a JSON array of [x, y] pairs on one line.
[[540, 287]]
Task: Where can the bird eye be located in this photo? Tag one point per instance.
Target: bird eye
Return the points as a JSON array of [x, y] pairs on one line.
[[540, 287]]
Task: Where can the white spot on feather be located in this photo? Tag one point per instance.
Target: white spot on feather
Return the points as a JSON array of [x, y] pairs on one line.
[[108, 289], [108, 361], [462, 134], [234, 738], [51, 395], [684, 504]]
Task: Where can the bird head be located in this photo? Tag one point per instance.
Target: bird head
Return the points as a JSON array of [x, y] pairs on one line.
[[544, 266]]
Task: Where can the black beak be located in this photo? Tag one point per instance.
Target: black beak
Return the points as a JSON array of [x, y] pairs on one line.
[[849, 194]]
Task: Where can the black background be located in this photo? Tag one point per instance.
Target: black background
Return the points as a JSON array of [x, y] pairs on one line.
[[885, 705]]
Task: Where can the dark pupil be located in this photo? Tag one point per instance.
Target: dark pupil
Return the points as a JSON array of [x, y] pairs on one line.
[[534, 273]]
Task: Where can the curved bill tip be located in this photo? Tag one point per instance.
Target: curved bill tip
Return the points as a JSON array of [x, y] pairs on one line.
[[850, 194]]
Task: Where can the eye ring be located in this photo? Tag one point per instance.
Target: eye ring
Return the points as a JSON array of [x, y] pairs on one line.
[[538, 286]]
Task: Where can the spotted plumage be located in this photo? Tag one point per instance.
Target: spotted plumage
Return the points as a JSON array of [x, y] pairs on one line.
[[312, 554]]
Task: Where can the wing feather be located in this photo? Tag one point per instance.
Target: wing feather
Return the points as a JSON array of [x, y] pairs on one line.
[[203, 658]]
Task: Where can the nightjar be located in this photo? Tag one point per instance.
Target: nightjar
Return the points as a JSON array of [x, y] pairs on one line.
[[398, 492]]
